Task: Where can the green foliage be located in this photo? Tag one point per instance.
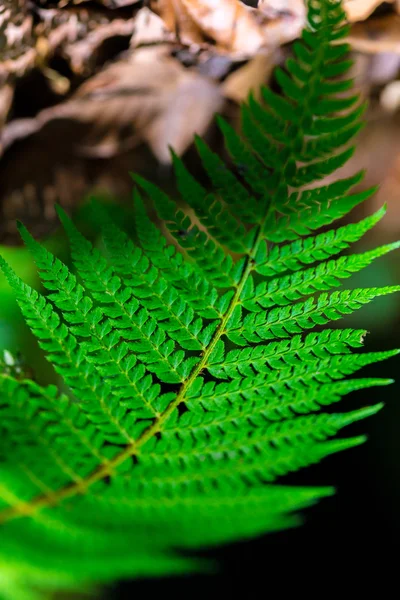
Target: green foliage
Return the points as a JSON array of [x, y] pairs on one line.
[[191, 377]]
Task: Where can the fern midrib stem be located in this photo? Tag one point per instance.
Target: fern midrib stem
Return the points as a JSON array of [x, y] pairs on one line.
[[155, 427]]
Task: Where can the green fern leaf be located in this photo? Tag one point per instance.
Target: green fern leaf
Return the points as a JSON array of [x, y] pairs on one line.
[[195, 367]]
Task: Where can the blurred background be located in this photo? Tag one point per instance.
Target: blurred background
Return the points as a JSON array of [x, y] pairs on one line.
[[93, 89]]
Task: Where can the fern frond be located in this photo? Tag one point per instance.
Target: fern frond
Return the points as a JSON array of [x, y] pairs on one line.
[[297, 376], [273, 355], [291, 257], [326, 275], [282, 322], [195, 372]]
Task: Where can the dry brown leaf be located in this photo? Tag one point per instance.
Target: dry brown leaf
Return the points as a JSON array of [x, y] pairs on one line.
[[30, 35], [282, 20], [230, 26], [6, 98], [358, 10], [249, 78], [178, 21], [377, 35], [147, 96], [16, 37], [150, 94], [77, 33], [228, 22], [149, 28], [80, 52]]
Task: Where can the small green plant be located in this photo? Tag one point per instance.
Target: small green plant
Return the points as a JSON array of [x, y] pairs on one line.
[[192, 379]]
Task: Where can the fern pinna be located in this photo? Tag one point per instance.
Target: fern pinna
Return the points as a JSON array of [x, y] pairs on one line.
[[192, 378]]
